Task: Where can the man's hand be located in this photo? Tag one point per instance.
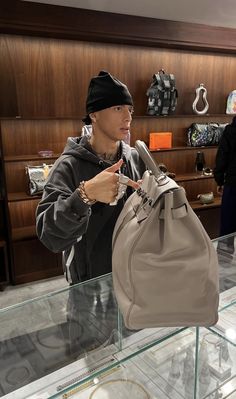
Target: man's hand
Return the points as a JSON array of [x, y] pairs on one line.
[[104, 186]]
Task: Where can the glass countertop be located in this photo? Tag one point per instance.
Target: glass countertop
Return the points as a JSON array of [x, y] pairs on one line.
[[69, 336]]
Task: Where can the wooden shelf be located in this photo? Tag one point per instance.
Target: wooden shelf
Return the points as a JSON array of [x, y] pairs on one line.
[[22, 233], [22, 196], [23, 137], [181, 116], [191, 176], [15, 158], [183, 148], [79, 117], [197, 205]]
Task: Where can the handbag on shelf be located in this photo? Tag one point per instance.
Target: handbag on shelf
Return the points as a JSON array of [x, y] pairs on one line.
[[166, 274], [37, 176], [204, 134]]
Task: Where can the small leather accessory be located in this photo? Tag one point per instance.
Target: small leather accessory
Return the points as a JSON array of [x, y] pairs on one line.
[[37, 176], [206, 198], [159, 140], [204, 134], [166, 274], [201, 93]]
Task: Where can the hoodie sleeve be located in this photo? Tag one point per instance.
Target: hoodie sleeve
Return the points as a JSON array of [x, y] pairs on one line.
[[61, 216]]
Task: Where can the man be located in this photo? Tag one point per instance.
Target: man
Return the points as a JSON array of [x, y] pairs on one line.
[[75, 215], [225, 177]]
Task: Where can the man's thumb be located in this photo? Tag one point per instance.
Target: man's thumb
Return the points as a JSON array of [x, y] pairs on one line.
[[115, 167]]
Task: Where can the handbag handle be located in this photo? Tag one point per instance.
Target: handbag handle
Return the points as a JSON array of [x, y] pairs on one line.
[[147, 158]]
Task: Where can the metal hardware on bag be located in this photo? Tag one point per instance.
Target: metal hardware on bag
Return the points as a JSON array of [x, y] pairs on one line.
[[146, 203], [161, 180], [141, 193]]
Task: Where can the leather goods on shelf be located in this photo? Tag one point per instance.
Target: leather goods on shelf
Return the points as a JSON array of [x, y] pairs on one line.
[[231, 103], [37, 176], [165, 268], [206, 198], [160, 140], [162, 94], [204, 134]]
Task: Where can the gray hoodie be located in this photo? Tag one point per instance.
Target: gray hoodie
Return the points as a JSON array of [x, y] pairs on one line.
[[66, 224]]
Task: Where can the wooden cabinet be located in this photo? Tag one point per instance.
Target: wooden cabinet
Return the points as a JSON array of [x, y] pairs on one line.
[[4, 236], [22, 139], [180, 159], [21, 142], [44, 79]]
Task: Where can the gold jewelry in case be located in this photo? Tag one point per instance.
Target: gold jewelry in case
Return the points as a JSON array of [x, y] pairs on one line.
[[134, 384], [89, 383], [83, 194]]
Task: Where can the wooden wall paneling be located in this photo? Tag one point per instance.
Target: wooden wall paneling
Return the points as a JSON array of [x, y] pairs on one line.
[[52, 76], [5, 253], [49, 79], [193, 189], [8, 92], [142, 127], [182, 160], [27, 137], [22, 213], [17, 180], [33, 261], [4, 271], [19, 17], [210, 219]]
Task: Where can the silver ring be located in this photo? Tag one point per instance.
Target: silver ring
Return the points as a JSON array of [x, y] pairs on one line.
[[123, 179]]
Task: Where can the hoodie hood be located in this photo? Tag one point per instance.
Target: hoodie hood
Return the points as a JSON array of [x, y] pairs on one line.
[[79, 147]]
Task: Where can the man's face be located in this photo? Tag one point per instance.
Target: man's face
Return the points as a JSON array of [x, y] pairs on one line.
[[114, 122]]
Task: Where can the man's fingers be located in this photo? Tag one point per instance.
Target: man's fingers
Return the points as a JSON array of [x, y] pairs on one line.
[[125, 180], [133, 184], [122, 179], [115, 167]]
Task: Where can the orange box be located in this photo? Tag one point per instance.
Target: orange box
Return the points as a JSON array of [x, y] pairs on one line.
[[158, 140]]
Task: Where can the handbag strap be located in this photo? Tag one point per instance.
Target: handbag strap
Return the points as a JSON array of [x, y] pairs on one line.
[[164, 182], [148, 160]]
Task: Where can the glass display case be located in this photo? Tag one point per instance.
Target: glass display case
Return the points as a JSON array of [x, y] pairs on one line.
[[72, 344]]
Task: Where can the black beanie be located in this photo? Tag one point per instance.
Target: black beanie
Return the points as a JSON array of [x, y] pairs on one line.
[[105, 91]]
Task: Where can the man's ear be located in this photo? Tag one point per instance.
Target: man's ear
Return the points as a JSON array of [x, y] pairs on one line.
[[93, 116]]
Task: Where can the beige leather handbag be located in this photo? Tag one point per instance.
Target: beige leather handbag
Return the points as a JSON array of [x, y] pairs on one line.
[[165, 268]]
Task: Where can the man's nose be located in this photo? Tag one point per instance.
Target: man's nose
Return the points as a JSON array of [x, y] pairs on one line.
[[127, 114]]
